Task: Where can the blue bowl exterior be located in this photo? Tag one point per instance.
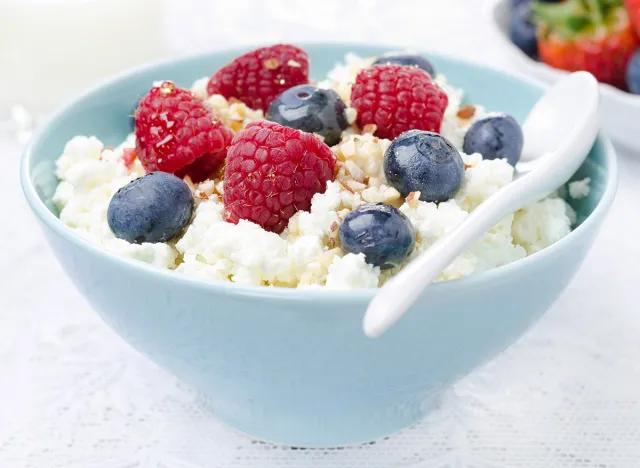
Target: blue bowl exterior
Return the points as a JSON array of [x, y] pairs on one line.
[[294, 366]]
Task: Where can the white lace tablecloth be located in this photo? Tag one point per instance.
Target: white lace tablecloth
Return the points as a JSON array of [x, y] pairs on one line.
[[74, 395]]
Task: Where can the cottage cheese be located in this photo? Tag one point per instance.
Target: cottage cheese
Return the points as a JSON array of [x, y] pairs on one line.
[[580, 188], [307, 253], [90, 175]]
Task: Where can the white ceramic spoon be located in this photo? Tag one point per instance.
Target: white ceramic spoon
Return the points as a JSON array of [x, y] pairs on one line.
[[558, 133]]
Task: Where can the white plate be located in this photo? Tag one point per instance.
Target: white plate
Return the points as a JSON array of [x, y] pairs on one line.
[[619, 111]]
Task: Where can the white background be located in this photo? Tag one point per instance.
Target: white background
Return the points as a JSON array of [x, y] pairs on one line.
[[72, 394]]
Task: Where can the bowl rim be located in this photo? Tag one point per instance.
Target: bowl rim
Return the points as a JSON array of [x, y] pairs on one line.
[[541, 69], [228, 288]]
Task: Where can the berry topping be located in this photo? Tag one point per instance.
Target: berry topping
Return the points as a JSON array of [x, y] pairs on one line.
[[633, 11], [174, 129], [522, 30], [425, 162], [633, 73], [258, 77], [312, 110], [495, 137], [595, 36], [272, 172], [403, 58], [153, 208], [383, 234], [396, 98]]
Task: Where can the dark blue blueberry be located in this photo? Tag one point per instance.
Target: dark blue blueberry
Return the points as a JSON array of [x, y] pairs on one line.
[[495, 137], [153, 208], [522, 31], [382, 233], [312, 110], [425, 162], [401, 58], [633, 73]]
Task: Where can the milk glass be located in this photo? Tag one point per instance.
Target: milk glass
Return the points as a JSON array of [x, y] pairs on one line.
[[51, 50]]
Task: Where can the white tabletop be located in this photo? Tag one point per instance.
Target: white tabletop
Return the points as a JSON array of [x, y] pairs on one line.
[[73, 394]]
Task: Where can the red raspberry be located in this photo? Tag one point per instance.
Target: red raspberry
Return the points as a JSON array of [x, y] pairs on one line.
[[398, 98], [272, 172], [258, 77], [175, 133]]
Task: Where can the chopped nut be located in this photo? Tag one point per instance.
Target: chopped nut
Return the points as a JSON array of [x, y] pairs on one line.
[[343, 213], [369, 128], [271, 63], [167, 87], [356, 186], [207, 187], [345, 186], [348, 148], [412, 199], [390, 194], [371, 195], [351, 114], [466, 112], [373, 182], [357, 173], [220, 187]]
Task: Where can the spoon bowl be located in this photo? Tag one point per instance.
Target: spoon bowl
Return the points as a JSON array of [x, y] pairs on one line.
[[558, 132]]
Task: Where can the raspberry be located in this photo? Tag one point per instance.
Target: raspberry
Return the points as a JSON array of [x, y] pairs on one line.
[[258, 77], [175, 131], [398, 98], [272, 172]]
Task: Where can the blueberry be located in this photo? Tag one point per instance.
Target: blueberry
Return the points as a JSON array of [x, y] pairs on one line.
[[401, 58], [312, 110], [633, 73], [522, 31], [382, 233], [425, 162], [495, 137], [153, 208]]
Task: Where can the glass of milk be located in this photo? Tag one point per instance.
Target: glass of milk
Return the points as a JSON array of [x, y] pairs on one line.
[[51, 50]]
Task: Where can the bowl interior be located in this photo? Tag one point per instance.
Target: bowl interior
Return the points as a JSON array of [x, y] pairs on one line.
[[105, 111]]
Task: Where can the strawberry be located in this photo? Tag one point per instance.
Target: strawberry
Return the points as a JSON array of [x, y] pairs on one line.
[[633, 10], [591, 35]]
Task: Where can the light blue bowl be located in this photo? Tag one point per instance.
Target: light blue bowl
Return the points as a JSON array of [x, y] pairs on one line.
[[294, 366]]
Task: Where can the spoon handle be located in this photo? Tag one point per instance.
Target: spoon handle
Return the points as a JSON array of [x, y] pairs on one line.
[[399, 293]]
